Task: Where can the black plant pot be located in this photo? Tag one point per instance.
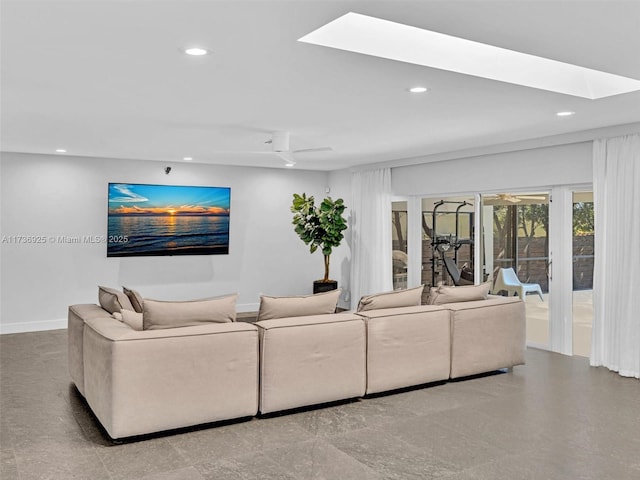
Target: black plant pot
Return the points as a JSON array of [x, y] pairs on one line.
[[319, 286]]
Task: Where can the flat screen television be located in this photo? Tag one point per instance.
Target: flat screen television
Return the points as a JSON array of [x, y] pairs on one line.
[[147, 220]]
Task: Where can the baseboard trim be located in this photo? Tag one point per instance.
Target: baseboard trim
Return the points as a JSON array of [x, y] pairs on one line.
[[44, 325], [539, 346], [39, 326]]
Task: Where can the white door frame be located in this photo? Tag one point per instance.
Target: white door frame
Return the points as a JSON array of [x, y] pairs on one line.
[[414, 241], [561, 270]]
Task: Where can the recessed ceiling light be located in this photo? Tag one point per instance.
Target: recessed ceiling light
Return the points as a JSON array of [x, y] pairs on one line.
[[187, 159], [196, 51], [565, 114], [289, 164], [418, 89], [60, 150], [381, 38]]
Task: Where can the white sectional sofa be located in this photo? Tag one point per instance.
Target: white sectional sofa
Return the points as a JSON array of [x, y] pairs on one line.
[[143, 381]]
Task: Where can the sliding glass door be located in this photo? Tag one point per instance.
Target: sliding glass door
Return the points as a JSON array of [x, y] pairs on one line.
[[543, 238], [399, 254], [447, 226], [516, 250]]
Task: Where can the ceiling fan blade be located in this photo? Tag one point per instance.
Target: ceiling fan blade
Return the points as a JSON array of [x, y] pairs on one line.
[[287, 157], [317, 149], [508, 197], [242, 152], [503, 197]]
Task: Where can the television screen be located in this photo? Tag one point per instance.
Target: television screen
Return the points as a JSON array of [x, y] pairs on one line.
[[146, 220]]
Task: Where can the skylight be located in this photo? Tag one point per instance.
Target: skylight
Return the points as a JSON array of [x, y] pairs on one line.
[[382, 38]]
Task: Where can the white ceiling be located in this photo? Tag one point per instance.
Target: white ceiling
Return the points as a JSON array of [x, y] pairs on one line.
[[107, 79]]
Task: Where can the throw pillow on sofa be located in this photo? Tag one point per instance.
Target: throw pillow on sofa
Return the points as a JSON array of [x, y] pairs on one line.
[[397, 298], [135, 298], [133, 319], [130, 318], [466, 293], [112, 300], [298, 306], [158, 314]]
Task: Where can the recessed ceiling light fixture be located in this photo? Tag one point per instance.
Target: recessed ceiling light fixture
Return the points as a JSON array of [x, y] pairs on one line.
[[60, 150], [187, 159], [418, 89], [565, 114], [196, 51], [382, 38], [289, 164]]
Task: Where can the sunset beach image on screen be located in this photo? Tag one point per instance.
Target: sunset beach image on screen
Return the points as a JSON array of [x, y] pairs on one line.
[[146, 220]]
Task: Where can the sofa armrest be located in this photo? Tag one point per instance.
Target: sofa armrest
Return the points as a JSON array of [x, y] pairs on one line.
[[487, 335], [76, 317], [139, 382], [119, 331]]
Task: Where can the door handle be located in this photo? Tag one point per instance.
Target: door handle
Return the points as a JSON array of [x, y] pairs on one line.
[[550, 270]]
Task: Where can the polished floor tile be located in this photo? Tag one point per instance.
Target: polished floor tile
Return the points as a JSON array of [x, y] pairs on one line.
[[318, 459], [392, 457], [554, 418]]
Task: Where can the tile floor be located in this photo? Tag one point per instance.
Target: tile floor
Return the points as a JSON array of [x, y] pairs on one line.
[[555, 418]]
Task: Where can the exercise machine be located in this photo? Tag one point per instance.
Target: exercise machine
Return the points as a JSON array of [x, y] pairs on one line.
[[441, 244]]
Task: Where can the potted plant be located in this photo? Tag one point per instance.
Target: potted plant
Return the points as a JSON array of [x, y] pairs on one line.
[[321, 228]]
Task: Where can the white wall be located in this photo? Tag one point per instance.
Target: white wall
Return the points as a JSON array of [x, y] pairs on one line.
[[44, 195], [538, 167]]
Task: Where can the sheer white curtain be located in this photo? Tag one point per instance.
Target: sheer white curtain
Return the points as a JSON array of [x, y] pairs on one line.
[[616, 279], [370, 233]]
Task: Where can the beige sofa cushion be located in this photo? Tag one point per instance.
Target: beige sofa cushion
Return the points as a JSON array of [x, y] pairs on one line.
[[298, 306], [407, 346], [113, 300], [135, 298], [487, 335], [158, 314], [397, 298], [310, 360], [467, 293]]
